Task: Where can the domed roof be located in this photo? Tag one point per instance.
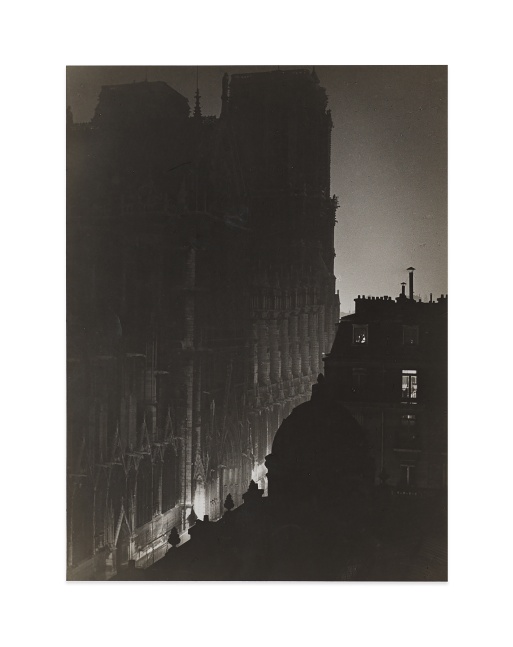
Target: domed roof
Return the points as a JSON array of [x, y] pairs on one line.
[[320, 449], [321, 435]]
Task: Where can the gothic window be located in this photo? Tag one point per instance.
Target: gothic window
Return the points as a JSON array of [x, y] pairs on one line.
[[409, 386], [144, 492], [169, 480], [123, 546], [100, 504], [82, 522], [117, 490], [157, 473], [360, 334], [410, 335]]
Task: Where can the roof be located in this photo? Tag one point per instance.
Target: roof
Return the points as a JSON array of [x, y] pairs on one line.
[[155, 87]]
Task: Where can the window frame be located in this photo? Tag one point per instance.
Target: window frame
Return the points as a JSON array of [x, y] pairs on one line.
[[416, 335], [365, 327], [359, 385], [410, 374]]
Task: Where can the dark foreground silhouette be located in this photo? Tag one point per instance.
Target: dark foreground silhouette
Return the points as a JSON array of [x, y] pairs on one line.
[[323, 518]]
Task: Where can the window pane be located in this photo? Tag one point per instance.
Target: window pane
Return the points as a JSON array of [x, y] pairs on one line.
[[409, 384], [359, 334], [405, 386]]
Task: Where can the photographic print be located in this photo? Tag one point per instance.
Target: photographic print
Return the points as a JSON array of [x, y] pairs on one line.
[[257, 323]]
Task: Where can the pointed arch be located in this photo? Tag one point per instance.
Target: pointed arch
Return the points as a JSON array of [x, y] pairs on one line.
[[100, 509], [157, 485], [144, 489], [117, 489], [200, 496], [122, 543], [170, 491], [82, 521], [131, 489]]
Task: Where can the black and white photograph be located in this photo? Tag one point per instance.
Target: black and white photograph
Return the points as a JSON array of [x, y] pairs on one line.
[[237, 404], [257, 323]]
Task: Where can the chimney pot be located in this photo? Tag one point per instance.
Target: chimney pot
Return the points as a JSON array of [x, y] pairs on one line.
[[411, 270]]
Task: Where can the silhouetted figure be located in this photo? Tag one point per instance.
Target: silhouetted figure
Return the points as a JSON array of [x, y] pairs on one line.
[[174, 538], [192, 518], [228, 503]]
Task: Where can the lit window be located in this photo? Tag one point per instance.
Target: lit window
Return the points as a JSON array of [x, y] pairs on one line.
[[409, 386], [408, 420], [410, 335], [360, 334]]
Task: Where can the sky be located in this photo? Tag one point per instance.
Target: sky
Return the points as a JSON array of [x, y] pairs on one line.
[[388, 166]]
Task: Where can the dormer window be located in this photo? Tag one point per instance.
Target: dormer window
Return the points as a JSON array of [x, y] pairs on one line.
[[410, 335], [360, 334]]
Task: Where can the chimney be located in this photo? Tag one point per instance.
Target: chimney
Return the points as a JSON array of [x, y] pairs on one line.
[[403, 289], [411, 270]]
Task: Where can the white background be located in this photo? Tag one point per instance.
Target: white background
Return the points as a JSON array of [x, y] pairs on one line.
[[38, 41]]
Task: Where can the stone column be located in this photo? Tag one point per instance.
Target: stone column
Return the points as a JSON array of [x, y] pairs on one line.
[[285, 350], [274, 349], [263, 353], [254, 355], [197, 404], [313, 334], [321, 336], [190, 281], [304, 344], [294, 346], [150, 402], [186, 463]]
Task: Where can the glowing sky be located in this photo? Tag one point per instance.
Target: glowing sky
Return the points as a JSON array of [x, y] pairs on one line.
[[389, 163]]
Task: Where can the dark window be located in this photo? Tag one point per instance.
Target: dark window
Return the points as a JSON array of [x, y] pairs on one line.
[[144, 492], [169, 480], [407, 436], [407, 479], [360, 334], [410, 335], [409, 386], [359, 380]]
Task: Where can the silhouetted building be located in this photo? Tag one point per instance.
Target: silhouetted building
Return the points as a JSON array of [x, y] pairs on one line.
[[388, 366], [201, 300], [311, 526], [323, 518]]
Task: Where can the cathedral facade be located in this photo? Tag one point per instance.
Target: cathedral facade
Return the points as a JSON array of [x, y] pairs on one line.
[[201, 302]]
